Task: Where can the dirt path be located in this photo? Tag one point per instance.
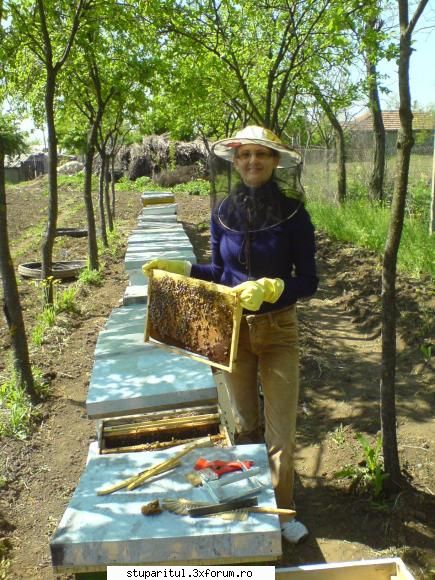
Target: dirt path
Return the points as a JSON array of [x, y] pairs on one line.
[[339, 398]]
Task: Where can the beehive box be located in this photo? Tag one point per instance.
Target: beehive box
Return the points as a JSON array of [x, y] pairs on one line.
[[198, 318], [157, 198], [380, 569], [161, 430], [109, 529]]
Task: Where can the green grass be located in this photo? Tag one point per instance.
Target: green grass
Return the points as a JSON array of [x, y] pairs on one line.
[[320, 179], [17, 415], [16, 412], [115, 239], [66, 300], [365, 224], [196, 187], [46, 319], [338, 436], [138, 185], [4, 567], [75, 181], [91, 277]]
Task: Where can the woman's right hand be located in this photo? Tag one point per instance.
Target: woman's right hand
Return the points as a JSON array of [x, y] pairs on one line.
[[181, 267]]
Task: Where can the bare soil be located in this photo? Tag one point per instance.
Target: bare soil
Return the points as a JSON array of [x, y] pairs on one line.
[[340, 330]]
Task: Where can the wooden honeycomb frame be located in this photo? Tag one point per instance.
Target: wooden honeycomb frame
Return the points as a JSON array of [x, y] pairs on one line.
[[196, 318], [161, 429]]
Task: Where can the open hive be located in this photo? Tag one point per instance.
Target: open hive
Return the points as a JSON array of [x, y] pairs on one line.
[[198, 318], [161, 430]]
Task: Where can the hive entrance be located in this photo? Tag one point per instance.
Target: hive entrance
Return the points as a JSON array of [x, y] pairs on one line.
[[198, 318]]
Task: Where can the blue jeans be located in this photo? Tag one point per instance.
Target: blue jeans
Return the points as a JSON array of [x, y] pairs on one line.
[[269, 348]]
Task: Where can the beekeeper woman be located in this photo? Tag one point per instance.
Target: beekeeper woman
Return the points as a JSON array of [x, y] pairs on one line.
[[262, 242]]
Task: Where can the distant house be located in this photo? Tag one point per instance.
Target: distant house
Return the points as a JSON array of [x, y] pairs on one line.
[[24, 167], [360, 131]]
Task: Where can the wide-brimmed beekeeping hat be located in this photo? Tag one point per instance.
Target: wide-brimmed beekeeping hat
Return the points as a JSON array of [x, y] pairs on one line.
[[254, 135]]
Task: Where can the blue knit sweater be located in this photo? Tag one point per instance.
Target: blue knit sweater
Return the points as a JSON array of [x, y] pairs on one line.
[[285, 250]]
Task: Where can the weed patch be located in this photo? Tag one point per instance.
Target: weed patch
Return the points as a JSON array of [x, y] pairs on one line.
[[115, 240], [91, 277], [16, 412], [368, 475]]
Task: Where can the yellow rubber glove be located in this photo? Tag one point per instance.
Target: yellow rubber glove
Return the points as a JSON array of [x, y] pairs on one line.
[[182, 267], [253, 293], [273, 288]]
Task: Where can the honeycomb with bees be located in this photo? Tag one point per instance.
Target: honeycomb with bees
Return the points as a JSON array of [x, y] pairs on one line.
[[196, 317]]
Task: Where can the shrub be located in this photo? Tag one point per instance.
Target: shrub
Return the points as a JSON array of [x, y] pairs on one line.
[[197, 187], [179, 175]]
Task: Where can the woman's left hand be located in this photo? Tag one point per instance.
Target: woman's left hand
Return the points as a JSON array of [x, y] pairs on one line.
[[251, 295]]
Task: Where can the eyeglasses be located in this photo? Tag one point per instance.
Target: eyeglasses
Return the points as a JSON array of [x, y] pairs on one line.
[[246, 155]]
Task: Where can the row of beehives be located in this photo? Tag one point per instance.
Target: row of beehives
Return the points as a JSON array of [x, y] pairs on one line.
[[129, 376], [158, 234], [136, 391]]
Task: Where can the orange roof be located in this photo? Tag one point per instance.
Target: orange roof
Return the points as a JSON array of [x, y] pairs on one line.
[[421, 121]]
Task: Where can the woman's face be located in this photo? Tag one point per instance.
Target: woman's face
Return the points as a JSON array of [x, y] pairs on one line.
[[255, 164]]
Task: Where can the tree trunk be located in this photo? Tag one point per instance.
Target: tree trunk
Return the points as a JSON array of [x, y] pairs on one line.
[[87, 194], [11, 300], [106, 177], [339, 144], [376, 186], [388, 367], [50, 233], [112, 184], [405, 142], [101, 203], [341, 163]]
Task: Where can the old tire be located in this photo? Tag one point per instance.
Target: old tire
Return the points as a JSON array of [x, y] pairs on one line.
[[61, 270], [72, 232]]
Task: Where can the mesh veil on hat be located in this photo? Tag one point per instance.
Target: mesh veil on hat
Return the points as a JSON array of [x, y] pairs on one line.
[[254, 135]]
